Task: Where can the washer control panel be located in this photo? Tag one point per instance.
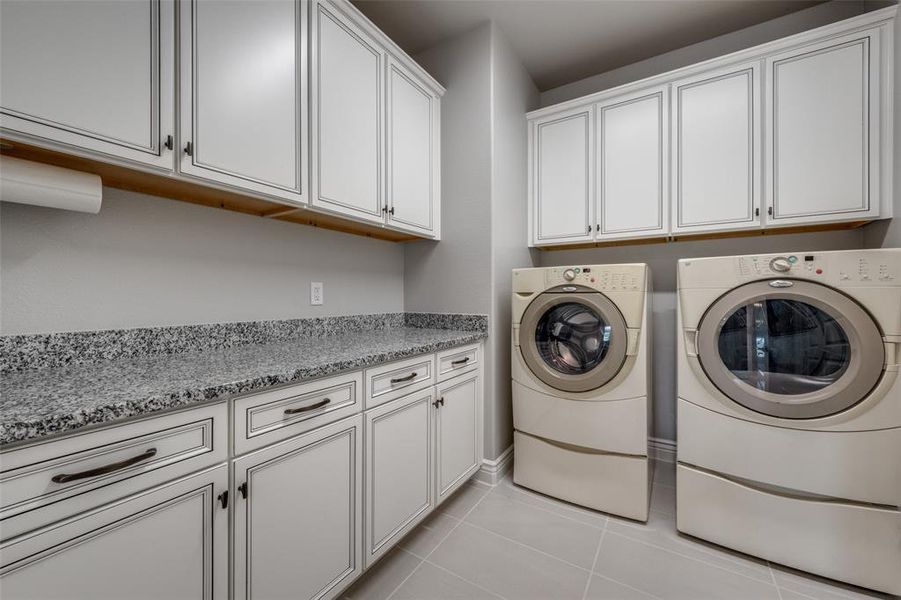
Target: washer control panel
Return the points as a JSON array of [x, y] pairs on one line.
[[601, 278]]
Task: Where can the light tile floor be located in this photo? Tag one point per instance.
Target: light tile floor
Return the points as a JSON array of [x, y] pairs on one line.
[[508, 542]]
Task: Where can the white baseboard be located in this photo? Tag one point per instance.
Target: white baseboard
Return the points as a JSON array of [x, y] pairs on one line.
[[492, 471], [662, 449]]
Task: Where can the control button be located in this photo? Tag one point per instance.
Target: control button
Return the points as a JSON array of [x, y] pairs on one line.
[[819, 271], [792, 259], [780, 264], [569, 274]]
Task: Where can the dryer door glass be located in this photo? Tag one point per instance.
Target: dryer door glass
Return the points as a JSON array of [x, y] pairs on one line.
[[790, 348], [574, 339], [784, 346]]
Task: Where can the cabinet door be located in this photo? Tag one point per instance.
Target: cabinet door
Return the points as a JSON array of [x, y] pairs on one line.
[[562, 177], [297, 518], [94, 75], [632, 165], [458, 432], [413, 126], [823, 131], [716, 150], [243, 94], [398, 470], [347, 114], [168, 542]]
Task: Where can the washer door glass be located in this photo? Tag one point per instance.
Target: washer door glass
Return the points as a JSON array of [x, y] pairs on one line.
[[572, 338], [792, 349]]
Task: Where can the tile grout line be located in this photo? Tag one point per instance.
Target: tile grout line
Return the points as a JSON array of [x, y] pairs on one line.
[[423, 559], [594, 562], [694, 558], [472, 583], [550, 502], [769, 568]]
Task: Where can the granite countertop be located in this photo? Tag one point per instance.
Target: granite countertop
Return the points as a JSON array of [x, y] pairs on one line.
[[42, 402]]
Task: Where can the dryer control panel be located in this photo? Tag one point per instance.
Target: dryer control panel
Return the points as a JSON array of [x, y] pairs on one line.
[[828, 267]]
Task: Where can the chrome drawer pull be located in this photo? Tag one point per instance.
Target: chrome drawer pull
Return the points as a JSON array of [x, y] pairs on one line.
[[462, 361], [320, 404], [409, 377], [66, 478]]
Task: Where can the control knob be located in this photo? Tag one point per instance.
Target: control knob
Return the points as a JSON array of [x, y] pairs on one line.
[[780, 264], [569, 274]]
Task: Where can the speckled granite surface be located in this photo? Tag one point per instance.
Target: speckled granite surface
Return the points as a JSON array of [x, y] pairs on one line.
[[26, 352], [41, 402]]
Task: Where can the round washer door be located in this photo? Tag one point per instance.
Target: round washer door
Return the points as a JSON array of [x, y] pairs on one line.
[[790, 349], [573, 341]]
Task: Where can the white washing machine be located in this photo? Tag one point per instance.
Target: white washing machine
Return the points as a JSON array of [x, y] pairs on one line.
[[789, 410], [580, 370]]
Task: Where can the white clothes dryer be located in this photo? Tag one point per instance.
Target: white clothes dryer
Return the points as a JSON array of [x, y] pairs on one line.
[[789, 410], [580, 371]]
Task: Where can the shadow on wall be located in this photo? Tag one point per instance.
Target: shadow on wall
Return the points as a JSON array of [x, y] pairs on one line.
[[662, 259]]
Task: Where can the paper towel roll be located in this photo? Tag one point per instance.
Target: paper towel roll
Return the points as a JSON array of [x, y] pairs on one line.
[[29, 182]]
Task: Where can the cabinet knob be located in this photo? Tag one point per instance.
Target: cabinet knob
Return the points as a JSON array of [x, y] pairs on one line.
[[189, 149], [169, 143]]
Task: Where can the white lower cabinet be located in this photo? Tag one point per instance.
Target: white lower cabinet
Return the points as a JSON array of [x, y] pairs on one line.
[[167, 542], [398, 470], [297, 519], [458, 432]]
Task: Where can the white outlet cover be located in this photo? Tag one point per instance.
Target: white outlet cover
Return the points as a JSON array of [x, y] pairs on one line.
[[316, 293]]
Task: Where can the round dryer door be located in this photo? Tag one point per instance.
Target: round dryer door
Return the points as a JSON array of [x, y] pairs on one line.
[[573, 338], [791, 349]]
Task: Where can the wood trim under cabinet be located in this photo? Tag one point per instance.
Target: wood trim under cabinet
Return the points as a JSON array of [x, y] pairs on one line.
[[165, 186]]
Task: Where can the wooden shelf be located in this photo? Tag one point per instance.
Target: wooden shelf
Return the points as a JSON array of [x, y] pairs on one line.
[[163, 185], [711, 236]]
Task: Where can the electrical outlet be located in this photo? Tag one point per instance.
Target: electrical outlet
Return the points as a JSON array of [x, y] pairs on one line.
[[316, 293]]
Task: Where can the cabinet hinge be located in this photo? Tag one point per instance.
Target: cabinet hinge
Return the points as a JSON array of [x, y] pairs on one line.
[[243, 489], [223, 499], [169, 143]]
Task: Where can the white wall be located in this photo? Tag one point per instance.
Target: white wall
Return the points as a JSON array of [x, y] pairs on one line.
[[146, 261], [817, 16], [513, 94], [453, 275]]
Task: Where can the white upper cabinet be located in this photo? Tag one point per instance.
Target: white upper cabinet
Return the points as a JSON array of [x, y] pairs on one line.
[[347, 116], [244, 94], [716, 158], [412, 127], [632, 165], [562, 176], [95, 76], [824, 131]]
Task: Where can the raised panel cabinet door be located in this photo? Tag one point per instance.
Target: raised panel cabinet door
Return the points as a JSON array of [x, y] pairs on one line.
[[347, 116], [95, 75], [716, 161], [562, 178], [170, 541], [632, 165], [823, 131], [398, 471], [412, 129], [458, 431], [298, 512], [243, 94]]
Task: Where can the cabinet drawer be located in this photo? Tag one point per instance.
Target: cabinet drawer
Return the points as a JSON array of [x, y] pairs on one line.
[[268, 417], [455, 361], [48, 481], [391, 381]]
